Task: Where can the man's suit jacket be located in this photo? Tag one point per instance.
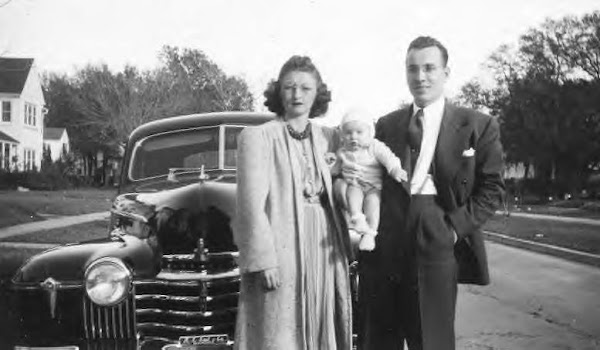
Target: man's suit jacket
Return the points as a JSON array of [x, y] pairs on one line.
[[467, 172]]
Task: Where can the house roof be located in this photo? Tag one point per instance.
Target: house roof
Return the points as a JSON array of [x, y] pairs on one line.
[[4, 137], [53, 133], [13, 74]]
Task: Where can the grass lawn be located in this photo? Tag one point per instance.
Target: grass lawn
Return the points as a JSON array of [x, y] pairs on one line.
[[22, 207], [576, 236], [63, 235]]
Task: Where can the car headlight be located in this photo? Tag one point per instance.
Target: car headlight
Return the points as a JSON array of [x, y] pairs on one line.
[[107, 281]]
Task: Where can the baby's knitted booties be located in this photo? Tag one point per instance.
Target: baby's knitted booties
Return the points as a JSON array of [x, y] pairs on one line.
[[358, 223], [367, 242]]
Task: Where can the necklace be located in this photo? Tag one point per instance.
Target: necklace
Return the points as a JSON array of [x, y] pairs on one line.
[[299, 135]]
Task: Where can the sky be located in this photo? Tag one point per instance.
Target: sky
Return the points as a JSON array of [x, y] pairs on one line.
[[358, 46]]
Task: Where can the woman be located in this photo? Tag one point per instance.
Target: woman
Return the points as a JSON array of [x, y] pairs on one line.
[[295, 290]]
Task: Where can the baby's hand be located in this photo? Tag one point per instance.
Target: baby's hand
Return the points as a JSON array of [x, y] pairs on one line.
[[330, 158], [399, 174]]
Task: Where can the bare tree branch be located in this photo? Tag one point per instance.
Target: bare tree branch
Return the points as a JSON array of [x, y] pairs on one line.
[[6, 2]]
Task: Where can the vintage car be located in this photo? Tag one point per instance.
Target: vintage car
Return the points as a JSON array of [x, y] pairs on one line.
[[166, 276]]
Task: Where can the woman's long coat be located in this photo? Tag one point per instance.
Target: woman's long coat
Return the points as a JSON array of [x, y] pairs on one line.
[[268, 222]]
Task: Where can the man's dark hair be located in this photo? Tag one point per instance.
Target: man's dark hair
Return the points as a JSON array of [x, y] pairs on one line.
[[297, 64], [423, 42]]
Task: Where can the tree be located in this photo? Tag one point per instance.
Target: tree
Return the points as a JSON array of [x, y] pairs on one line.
[[546, 99], [100, 108]]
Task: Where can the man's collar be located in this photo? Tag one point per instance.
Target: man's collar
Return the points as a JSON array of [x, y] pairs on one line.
[[435, 108]]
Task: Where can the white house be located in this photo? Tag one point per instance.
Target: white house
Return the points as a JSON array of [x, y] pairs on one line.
[[57, 140], [21, 114]]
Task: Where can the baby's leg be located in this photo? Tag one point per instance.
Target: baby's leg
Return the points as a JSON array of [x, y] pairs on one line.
[[371, 208], [354, 197]]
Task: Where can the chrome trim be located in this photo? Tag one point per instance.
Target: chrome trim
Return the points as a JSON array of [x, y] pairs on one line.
[[222, 147], [178, 257], [173, 327], [196, 276], [59, 285], [188, 314], [148, 339], [163, 297], [195, 283], [50, 285]]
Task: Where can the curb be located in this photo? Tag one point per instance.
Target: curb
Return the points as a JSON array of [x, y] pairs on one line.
[[587, 221], [568, 254]]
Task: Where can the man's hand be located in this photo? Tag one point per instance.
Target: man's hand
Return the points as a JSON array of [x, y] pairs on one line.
[[270, 278]]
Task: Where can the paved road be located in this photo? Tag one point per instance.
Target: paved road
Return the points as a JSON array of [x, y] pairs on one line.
[[535, 302]]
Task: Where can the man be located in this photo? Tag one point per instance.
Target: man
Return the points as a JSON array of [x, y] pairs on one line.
[[430, 235]]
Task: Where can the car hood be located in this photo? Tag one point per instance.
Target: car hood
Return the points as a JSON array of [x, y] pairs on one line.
[[168, 221], [68, 263], [180, 215]]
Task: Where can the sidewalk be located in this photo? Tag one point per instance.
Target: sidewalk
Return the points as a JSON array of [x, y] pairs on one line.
[[51, 224], [594, 222]]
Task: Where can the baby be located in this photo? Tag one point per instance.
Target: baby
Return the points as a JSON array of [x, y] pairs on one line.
[[361, 195]]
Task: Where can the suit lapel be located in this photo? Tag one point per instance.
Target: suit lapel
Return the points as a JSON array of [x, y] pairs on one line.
[[448, 144]]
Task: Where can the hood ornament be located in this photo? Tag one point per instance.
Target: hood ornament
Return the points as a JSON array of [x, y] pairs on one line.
[[201, 252], [203, 176]]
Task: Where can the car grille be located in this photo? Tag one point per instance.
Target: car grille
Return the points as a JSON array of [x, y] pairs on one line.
[[186, 298], [115, 322]]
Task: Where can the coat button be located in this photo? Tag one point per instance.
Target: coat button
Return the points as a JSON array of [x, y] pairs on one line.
[[464, 181]]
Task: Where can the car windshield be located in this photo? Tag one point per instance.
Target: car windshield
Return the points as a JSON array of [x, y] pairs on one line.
[[185, 149]]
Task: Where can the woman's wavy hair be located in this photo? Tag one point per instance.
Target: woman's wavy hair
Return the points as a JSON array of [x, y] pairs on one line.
[[297, 64]]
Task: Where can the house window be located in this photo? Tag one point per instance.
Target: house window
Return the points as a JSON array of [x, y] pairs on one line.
[[28, 159], [6, 111], [30, 114], [5, 156], [3, 164]]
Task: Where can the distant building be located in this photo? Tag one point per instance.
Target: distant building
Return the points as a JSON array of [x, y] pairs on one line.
[[57, 141], [518, 171], [21, 115]]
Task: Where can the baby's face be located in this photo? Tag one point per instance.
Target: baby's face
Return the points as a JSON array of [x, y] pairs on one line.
[[356, 134]]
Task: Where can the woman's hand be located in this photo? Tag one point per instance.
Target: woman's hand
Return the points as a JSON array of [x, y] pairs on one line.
[[270, 278]]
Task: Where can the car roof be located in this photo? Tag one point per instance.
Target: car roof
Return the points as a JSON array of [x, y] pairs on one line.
[[198, 120]]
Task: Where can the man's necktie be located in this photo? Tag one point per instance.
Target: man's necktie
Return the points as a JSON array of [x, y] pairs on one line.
[[415, 135]]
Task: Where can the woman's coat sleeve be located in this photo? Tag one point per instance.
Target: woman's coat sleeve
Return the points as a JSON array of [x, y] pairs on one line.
[[253, 234]]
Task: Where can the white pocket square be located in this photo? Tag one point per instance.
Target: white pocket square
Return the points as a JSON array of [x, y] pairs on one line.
[[468, 152]]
